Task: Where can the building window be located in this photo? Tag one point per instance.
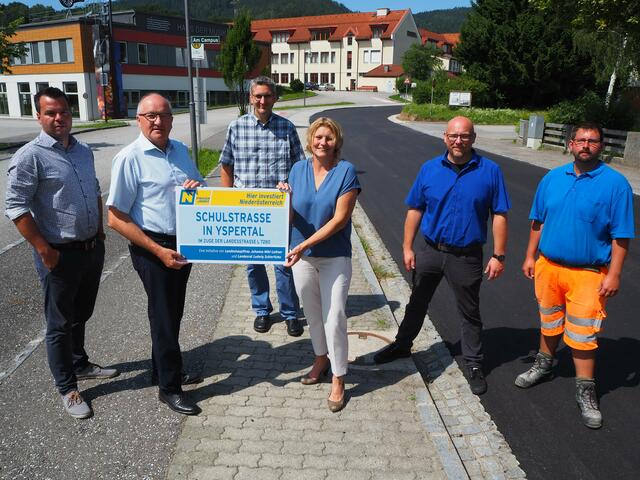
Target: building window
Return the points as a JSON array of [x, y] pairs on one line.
[[371, 56], [292, 77], [314, 77], [320, 34], [349, 56], [181, 57], [350, 40], [132, 98], [333, 77], [324, 78], [142, 54], [291, 57], [284, 58], [71, 89], [279, 37], [454, 66], [4, 102], [24, 94], [49, 51], [41, 86], [275, 77], [366, 56], [181, 100], [412, 34], [284, 78], [324, 57], [314, 57], [123, 52], [377, 32], [306, 78], [446, 48], [275, 58]]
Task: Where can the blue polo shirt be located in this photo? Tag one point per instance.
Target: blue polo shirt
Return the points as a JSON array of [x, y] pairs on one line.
[[457, 205], [312, 208], [582, 214]]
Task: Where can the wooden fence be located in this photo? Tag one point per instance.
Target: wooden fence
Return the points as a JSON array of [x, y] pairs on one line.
[[558, 135]]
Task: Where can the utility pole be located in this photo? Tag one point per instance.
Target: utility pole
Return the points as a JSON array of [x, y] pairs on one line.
[[192, 105]]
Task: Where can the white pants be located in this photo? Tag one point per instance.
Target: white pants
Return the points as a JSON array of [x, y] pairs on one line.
[[322, 284]]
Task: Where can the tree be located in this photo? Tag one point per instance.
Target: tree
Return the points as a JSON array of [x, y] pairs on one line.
[[9, 50], [421, 61], [238, 56], [524, 55]]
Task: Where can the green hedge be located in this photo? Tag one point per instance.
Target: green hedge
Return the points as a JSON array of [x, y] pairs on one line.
[[480, 116]]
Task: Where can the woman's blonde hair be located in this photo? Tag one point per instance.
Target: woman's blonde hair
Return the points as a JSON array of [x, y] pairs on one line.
[[332, 125]]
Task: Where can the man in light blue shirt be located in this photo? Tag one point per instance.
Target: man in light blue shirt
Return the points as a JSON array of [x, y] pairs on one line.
[[581, 224], [259, 151], [141, 203]]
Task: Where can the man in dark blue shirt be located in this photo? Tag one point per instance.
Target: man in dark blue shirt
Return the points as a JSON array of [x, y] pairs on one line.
[[451, 201]]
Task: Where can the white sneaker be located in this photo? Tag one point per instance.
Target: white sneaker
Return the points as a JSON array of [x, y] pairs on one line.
[[75, 405]]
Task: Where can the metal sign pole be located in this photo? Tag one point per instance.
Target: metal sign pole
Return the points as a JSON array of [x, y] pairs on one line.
[[192, 110]]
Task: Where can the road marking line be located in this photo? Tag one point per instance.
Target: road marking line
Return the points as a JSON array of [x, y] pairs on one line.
[[33, 344]]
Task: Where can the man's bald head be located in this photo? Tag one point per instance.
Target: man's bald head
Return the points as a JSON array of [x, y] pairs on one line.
[[459, 137], [155, 119]]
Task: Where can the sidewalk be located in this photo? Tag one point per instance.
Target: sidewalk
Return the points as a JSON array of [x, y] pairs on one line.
[[259, 421]]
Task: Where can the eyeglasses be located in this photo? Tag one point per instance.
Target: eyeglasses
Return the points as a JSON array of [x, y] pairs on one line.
[[464, 137], [153, 116], [586, 141]]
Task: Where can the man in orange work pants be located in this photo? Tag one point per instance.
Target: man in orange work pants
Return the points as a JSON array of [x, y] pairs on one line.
[[582, 220]]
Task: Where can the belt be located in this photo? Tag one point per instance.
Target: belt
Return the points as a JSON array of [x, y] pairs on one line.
[[162, 239], [590, 267], [77, 245], [443, 247]]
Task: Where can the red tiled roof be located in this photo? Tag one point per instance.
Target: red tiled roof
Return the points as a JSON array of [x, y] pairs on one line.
[[440, 38], [386, 70], [358, 24]]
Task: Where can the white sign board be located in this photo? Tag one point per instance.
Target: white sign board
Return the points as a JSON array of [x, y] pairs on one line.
[[232, 225], [460, 99], [197, 51]]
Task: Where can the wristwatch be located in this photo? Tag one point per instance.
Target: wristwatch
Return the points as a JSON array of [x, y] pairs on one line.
[[500, 258]]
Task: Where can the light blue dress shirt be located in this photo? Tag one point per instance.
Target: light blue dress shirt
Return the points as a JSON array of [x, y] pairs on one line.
[[57, 186], [144, 179]]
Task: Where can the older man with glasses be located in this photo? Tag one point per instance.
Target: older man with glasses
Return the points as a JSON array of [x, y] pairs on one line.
[[259, 151], [142, 209], [450, 202]]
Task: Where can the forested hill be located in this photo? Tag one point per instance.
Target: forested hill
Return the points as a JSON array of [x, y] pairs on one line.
[[442, 21], [224, 9]]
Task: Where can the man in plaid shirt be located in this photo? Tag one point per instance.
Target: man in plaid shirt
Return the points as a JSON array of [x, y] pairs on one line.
[[259, 151]]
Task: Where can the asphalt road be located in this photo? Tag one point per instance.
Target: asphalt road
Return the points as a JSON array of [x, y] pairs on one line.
[[541, 424]]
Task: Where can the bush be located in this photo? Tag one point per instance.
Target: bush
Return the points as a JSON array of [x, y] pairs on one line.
[[590, 107], [279, 90], [296, 85], [444, 85], [422, 92]]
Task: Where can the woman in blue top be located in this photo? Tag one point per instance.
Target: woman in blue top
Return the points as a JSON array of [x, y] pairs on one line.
[[323, 194]]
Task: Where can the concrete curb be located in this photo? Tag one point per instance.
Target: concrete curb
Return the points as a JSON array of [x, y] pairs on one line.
[[468, 441]]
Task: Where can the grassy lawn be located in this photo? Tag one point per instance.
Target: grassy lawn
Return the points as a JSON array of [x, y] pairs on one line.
[[479, 116], [208, 160], [296, 95], [101, 124], [398, 98], [338, 104]]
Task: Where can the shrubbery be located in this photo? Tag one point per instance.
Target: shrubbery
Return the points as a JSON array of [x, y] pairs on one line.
[[590, 107], [296, 85]]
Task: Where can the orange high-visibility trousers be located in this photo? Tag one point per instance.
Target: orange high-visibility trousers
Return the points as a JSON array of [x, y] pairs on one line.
[[569, 302]]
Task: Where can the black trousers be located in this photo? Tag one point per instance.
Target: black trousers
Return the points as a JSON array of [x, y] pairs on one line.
[[70, 292], [463, 273], [166, 290]]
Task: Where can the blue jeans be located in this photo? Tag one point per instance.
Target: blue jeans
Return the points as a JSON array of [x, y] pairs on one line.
[[259, 287]]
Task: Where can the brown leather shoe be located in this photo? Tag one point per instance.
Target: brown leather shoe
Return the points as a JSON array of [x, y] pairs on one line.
[[336, 406], [309, 380]]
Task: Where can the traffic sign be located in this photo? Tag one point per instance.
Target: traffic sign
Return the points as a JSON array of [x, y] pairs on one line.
[[205, 39]]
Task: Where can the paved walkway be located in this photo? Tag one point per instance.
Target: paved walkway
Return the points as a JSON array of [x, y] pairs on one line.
[[259, 421]]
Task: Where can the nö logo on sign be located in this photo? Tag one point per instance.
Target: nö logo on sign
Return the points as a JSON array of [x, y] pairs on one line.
[[187, 197]]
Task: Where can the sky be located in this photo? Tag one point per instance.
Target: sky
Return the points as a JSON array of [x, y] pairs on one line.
[[416, 6]]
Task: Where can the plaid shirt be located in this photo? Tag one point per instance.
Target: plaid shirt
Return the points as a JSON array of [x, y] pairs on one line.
[[261, 155]]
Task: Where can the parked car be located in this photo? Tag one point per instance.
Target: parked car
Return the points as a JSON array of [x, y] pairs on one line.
[[326, 87], [310, 86]]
